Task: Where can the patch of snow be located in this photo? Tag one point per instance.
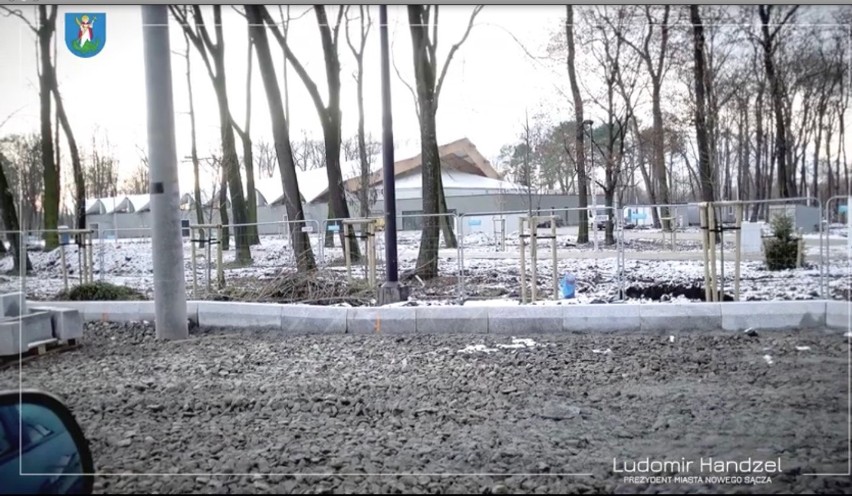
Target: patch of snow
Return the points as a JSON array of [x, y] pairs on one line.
[[768, 359], [519, 343], [477, 348]]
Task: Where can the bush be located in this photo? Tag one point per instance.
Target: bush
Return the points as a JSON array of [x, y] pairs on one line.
[[781, 250], [100, 291]]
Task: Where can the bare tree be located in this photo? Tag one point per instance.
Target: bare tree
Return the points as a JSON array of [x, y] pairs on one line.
[[138, 182], [281, 135], [102, 170], [196, 183], [655, 64], [704, 167], [213, 54], [358, 53], [266, 159], [248, 152], [429, 81], [328, 111], [579, 147], [45, 29], [9, 215], [24, 174], [786, 184]]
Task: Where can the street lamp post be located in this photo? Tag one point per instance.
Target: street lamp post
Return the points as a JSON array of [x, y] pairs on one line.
[[169, 284], [592, 184], [391, 291]]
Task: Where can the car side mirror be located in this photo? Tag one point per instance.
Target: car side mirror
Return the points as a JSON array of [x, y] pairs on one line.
[[42, 448]]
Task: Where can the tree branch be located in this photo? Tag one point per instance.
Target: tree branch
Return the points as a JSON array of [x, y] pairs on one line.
[[201, 29], [297, 66], [410, 88], [783, 22], [454, 49], [20, 15], [180, 15]]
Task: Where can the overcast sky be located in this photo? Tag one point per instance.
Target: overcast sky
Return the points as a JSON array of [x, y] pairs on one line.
[[490, 85]]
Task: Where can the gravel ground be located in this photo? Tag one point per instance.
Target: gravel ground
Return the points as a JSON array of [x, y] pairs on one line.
[[236, 403]]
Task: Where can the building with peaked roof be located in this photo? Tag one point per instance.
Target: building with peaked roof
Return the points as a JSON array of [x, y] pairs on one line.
[[471, 185]]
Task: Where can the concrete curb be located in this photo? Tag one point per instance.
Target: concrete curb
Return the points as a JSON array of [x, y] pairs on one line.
[[651, 318]]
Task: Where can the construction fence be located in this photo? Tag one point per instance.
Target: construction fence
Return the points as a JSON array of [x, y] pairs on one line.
[[727, 250]]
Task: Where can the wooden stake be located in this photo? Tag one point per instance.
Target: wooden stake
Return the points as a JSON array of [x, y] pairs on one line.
[[712, 233], [705, 245], [555, 269], [523, 261], [738, 252]]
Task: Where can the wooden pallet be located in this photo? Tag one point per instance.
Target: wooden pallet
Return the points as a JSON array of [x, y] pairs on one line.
[[39, 349]]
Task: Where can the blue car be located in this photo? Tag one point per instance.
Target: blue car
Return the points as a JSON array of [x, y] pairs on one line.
[[40, 452]]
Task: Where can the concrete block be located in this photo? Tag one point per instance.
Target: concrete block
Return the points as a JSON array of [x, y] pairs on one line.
[[525, 319], [232, 314], [583, 319], [306, 319], [837, 315], [17, 333], [741, 315], [37, 326], [10, 334], [452, 320], [13, 305], [378, 320], [67, 322], [109, 311], [674, 317]]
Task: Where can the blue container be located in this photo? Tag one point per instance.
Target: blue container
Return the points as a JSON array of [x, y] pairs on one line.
[[567, 285], [64, 237]]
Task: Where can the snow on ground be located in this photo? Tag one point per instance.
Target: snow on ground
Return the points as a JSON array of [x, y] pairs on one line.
[[493, 279]]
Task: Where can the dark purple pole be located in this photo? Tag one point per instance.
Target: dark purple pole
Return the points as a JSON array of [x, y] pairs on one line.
[[387, 154]]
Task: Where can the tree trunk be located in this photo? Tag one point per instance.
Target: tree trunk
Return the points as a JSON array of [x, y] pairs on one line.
[[199, 204], [817, 141], [579, 137], [248, 158], [758, 153], [47, 27], [450, 240], [787, 187], [364, 189], [10, 221], [76, 164], [281, 135], [699, 70], [659, 153], [224, 218], [231, 166], [424, 71]]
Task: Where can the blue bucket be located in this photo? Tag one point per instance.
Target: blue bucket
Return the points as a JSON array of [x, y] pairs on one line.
[[567, 286]]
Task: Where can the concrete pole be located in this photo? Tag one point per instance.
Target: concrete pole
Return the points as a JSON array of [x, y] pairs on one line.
[[169, 283]]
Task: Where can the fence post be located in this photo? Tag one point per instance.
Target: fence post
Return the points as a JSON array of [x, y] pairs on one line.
[[346, 249], [523, 261], [460, 255], [533, 258], [194, 257], [207, 257], [555, 268], [738, 249], [101, 253], [62, 260], [220, 271], [705, 245]]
